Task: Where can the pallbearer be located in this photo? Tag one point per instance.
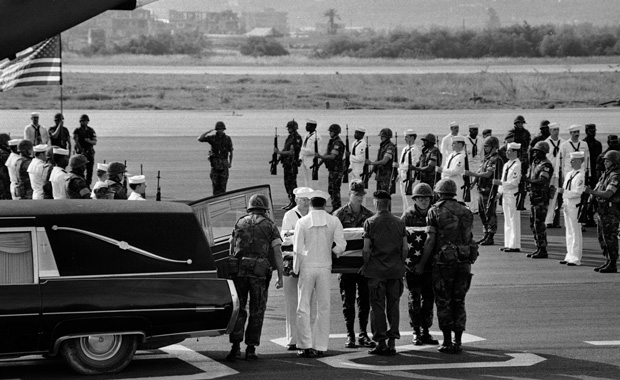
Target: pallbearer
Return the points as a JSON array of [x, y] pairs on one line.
[[509, 188], [571, 191]]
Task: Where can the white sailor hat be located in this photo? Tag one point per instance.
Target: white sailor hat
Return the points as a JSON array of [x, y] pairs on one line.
[[410, 132], [454, 124], [14, 142], [318, 194], [136, 179], [302, 192], [34, 114], [40, 148], [61, 151], [577, 155], [554, 126], [458, 138], [360, 129], [574, 127], [514, 146], [473, 126], [103, 167], [311, 122]]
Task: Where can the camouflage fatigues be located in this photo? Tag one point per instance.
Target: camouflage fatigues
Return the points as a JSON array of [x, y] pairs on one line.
[[335, 146], [117, 188], [487, 205], [5, 180], [221, 147], [384, 172], [23, 188], [290, 164], [428, 155], [76, 187], [253, 239], [452, 223], [539, 199], [354, 283], [421, 296], [47, 185], [607, 214]]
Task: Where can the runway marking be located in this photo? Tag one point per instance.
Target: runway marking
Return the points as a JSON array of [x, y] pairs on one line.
[[604, 342]]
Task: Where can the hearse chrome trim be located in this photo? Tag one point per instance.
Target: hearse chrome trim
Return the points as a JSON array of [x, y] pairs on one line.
[[198, 309], [19, 315], [235, 301], [159, 275], [193, 334], [59, 341], [122, 245]]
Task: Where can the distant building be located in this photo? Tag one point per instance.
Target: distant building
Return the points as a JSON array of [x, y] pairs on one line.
[[264, 32], [269, 18]]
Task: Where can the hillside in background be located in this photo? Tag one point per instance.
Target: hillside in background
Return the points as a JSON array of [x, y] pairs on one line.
[[389, 14]]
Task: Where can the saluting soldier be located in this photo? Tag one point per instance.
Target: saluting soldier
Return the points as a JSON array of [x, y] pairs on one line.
[[490, 169], [509, 188], [429, 159], [449, 245], [539, 178], [333, 162], [454, 165], [220, 156], [385, 159], [571, 191], [607, 215], [255, 248], [75, 184], [289, 156], [358, 154]]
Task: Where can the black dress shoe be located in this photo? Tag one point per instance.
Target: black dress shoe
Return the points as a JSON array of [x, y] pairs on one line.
[[571, 264], [512, 250], [307, 353], [540, 255], [291, 347], [563, 262], [319, 354], [350, 342], [380, 350], [503, 249]]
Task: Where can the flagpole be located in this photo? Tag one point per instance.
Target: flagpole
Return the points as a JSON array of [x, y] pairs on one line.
[[60, 54]]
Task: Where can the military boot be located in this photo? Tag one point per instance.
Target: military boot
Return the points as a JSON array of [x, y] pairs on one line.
[[542, 254], [350, 340], [365, 341], [417, 337], [427, 338], [489, 240], [250, 353], [533, 253], [602, 266], [609, 268], [234, 353], [486, 236]]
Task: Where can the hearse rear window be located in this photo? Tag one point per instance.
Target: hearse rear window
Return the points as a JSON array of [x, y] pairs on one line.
[[16, 265]]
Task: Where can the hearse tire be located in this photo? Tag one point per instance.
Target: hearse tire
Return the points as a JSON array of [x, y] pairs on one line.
[[99, 354]]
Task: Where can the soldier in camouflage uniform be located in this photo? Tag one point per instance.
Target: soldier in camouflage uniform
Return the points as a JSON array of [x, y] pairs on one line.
[[353, 215], [539, 178], [117, 184], [75, 184], [385, 158], [421, 295], [449, 244], [522, 136], [490, 169], [289, 156], [221, 156], [255, 248], [5, 180], [333, 162], [607, 217], [429, 159], [23, 188]]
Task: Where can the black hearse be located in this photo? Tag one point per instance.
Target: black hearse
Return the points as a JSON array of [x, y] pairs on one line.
[[93, 281]]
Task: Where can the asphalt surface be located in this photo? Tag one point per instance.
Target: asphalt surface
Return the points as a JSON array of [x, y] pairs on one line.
[[527, 319]]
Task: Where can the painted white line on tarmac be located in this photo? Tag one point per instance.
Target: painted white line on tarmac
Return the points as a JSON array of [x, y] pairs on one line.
[[604, 342]]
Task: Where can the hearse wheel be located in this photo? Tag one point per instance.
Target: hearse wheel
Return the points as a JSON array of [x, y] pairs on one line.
[[97, 354]]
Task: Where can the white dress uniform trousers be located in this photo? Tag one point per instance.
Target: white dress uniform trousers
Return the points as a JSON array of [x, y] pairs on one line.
[[10, 164], [573, 187], [454, 168], [474, 165], [357, 159], [511, 176], [306, 154], [410, 153]]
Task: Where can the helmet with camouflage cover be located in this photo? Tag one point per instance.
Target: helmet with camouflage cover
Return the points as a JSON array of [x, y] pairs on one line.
[[386, 132], [446, 186], [542, 146], [258, 201], [491, 141], [77, 161], [292, 124], [334, 128], [613, 156], [422, 190], [430, 137], [116, 168]]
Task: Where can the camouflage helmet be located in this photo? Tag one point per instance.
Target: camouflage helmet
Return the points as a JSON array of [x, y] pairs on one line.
[[613, 156], [430, 137], [116, 168], [292, 124], [220, 125], [258, 201], [386, 132], [542, 146], [4, 139], [446, 186], [77, 161], [24, 146], [334, 128], [422, 190], [491, 141]]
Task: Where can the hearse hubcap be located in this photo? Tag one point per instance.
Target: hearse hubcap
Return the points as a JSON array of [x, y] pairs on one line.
[[101, 347]]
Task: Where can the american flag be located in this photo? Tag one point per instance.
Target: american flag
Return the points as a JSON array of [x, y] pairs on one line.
[[36, 66], [416, 237]]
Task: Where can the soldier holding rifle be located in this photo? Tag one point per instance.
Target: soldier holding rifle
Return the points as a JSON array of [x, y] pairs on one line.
[[553, 214], [333, 162], [522, 136], [595, 148], [289, 156], [385, 157], [538, 179], [490, 169], [429, 159]]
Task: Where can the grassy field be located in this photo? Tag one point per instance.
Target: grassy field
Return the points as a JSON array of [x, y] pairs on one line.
[[225, 92]]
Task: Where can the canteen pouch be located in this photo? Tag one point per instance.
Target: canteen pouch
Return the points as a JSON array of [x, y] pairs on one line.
[[448, 254], [262, 268], [233, 266], [247, 265], [473, 252]]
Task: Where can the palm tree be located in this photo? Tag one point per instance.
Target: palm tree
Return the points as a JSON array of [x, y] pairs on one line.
[[332, 15]]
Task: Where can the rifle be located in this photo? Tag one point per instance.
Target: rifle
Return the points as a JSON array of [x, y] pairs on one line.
[[585, 204], [522, 193], [315, 160], [142, 174], [559, 200], [410, 177], [366, 170], [347, 161], [158, 195], [466, 180], [274, 156], [394, 170]]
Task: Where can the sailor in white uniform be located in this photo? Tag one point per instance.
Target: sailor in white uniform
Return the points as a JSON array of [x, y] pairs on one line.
[[10, 164], [358, 154], [454, 165], [410, 155], [35, 171], [509, 187], [475, 153], [571, 191], [306, 154], [446, 143], [137, 184]]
